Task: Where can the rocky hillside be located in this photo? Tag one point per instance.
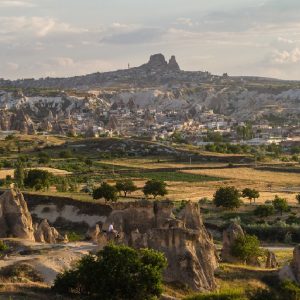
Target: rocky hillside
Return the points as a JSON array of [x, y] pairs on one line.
[[158, 85]]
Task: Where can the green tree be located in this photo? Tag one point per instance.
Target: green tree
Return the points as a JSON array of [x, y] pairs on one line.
[[250, 194], [263, 211], [65, 154], [155, 188], [126, 186], [44, 158], [106, 191], [246, 248], [116, 272], [19, 174], [280, 204], [37, 179], [227, 197]]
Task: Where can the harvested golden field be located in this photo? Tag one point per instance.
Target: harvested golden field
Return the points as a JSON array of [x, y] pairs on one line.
[[56, 172], [276, 178], [154, 163], [268, 183], [4, 173]]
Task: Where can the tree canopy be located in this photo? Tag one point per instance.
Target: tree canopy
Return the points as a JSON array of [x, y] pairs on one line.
[[250, 194], [106, 191], [126, 186], [280, 204], [227, 197], [116, 272], [155, 188], [37, 179]]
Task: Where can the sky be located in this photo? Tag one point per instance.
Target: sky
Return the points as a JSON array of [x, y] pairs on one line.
[[59, 38]]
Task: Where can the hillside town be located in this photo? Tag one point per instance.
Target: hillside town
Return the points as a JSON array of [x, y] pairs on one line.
[[165, 101]]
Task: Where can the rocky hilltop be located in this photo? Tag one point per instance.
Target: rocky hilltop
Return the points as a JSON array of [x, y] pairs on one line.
[[156, 72], [159, 85]]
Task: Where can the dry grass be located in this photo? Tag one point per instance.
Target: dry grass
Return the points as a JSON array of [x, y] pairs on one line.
[[56, 172], [277, 178], [268, 183], [152, 163]]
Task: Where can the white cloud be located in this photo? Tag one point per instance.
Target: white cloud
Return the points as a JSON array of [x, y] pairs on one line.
[[285, 40], [286, 57], [185, 21], [13, 3], [12, 66], [38, 26]]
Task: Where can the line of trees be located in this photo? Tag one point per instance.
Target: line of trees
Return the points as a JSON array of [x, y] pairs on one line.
[[126, 186]]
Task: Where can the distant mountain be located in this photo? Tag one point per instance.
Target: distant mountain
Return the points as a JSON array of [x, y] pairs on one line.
[[159, 84], [156, 72]]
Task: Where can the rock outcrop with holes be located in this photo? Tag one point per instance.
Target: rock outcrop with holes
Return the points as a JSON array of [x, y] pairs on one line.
[[183, 239], [15, 219], [229, 237]]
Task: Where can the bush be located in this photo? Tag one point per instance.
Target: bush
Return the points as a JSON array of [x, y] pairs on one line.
[[65, 154], [263, 211], [290, 290], [227, 197], [222, 295], [75, 237], [274, 233], [116, 272], [246, 248], [37, 179], [3, 247], [262, 294]]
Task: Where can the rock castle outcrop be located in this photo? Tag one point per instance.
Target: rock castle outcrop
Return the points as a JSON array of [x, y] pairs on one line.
[[188, 247], [16, 221]]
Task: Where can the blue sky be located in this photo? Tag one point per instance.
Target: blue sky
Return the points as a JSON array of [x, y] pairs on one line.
[[41, 38]]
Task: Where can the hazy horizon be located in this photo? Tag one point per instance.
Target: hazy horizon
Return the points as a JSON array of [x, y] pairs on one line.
[[41, 38]]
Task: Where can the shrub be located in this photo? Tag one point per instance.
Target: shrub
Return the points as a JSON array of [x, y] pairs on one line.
[[37, 179], [246, 248], [263, 211], [3, 247], [116, 272], [262, 294], [227, 197], [290, 290], [75, 237], [222, 295], [65, 154]]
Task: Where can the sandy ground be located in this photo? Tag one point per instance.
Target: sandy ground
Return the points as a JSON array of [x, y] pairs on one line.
[[52, 260]]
